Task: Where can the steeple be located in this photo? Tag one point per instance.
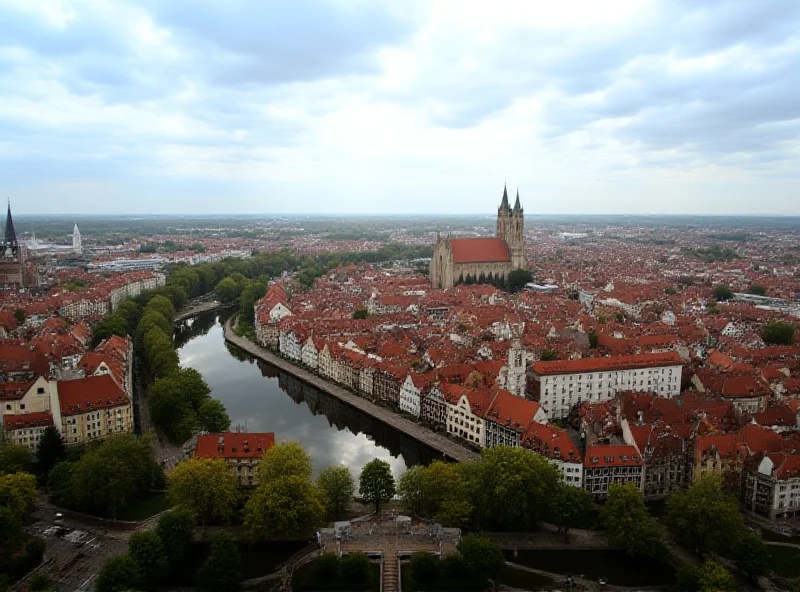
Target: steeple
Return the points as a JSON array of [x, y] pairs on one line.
[[517, 206], [504, 204], [10, 246]]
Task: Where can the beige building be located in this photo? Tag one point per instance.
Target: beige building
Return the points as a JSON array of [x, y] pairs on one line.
[[91, 408], [457, 260], [242, 452]]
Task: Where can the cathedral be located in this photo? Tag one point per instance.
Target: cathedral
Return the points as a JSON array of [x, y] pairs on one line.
[[455, 260], [12, 255]]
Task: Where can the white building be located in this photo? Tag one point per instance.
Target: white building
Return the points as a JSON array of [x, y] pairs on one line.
[[76, 240], [410, 392], [560, 385], [773, 490]]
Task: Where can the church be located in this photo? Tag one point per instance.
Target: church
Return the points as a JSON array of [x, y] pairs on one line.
[[456, 259]]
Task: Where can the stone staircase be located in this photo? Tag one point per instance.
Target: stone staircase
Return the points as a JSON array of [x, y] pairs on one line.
[[390, 576]]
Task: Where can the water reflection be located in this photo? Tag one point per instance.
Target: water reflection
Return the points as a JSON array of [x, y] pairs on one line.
[[262, 398]]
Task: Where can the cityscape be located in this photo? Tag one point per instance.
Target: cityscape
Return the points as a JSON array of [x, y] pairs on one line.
[[272, 316]]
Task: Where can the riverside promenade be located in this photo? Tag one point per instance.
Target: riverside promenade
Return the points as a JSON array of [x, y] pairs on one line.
[[420, 433]]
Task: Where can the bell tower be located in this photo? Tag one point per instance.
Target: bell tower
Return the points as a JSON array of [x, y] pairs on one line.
[[516, 236]]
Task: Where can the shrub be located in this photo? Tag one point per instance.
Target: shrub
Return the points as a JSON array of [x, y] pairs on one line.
[[424, 568], [355, 571], [326, 567]]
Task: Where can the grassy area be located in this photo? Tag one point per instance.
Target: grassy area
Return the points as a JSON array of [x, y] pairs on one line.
[[145, 507], [784, 561], [305, 580]]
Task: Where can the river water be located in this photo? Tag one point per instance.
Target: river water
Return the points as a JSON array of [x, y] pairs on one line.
[[261, 398]]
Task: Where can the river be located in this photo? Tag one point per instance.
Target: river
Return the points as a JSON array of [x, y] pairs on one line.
[[262, 398]]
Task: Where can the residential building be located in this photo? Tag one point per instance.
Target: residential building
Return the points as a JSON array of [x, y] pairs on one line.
[[242, 451], [608, 464]]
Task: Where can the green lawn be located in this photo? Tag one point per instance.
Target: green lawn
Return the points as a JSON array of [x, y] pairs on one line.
[[784, 561], [148, 505]]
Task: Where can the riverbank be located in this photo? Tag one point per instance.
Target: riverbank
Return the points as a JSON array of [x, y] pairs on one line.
[[435, 441]]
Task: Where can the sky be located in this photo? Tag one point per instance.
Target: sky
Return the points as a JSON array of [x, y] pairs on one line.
[[407, 106]]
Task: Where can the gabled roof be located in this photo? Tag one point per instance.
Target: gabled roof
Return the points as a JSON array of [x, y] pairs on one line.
[[480, 250], [84, 395], [234, 445], [609, 455]]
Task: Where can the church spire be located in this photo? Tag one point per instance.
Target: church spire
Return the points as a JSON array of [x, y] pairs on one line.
[[517, 205], [11, 236], [504, 204]]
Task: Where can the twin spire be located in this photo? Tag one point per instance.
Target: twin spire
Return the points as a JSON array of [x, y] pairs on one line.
[[504, 204]]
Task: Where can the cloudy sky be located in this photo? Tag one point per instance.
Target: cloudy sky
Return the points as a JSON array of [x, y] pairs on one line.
[[364, 106]]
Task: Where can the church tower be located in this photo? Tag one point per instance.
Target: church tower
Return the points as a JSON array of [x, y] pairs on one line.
[[511, 228], [76, 240]]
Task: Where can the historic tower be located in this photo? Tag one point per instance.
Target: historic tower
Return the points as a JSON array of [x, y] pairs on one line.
[[511, 228], [76, 240], [12, 255]]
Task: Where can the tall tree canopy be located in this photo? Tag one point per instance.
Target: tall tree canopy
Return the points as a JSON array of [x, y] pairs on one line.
[[376, 482], [205, 486]]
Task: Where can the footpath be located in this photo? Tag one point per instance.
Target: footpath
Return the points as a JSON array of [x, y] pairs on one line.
[[420, 433]]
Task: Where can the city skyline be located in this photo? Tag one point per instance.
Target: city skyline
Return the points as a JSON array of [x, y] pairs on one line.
[[338, 108]]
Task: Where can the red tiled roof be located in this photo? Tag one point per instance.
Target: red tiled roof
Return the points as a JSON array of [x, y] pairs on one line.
[[612, 363], [89, 394], [479, 250], [14, 390], [27, 420], [608, 455], [233, 444]]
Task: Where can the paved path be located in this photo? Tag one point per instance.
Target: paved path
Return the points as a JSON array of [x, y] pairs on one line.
[[197, 309], [418, 432]]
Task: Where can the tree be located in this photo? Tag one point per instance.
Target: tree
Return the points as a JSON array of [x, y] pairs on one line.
[[10, 527], [205, 486], [284, 460], [376, 482], [326, 567], [411, 488], [592, 335], [252, 292], [163, 305], [512, 489], [176, 531], [226, 290], [361, 313], [483, 555], [704, 517], [670, 291], [778, 333], [518, 278], [284, 507], [119, 573], [571, 507], [14, 458], [547, 355], [455, 567], [19, 315], [18, 493], [338, 487], [153, 319], [131, 312], [51, 450], [752, 557], [628, 524], [221, 571], [59, 484], [424, 568], [212, 416], [112, 324], [722, 293], [355, 571], [149, 554], [757, 290], [713, 577]]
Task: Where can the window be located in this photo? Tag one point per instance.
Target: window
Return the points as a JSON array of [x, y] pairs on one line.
[[22, 405]]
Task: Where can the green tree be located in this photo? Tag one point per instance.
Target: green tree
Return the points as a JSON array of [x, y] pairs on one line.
[[713, 577], [170, 409], [376, 483], [204, 486], [752, 557], [212, 416], [59, 485], [132, 313], [19, 315], [109, 475], [778, 333], [51, 450], [518, 278], [176, 531], [252, 292], [284, 460], [670, 291], [14, 458], [455, 568], [361, 313], [227, 290], [284, 507], [548, 355], [355, 571], [163, 305], [39, 582], [592, 335], [628, 524], [118, 574], [326, 567], [512, 489], [757, 290], [704, 517], [152, 319], [18, 493], [10, 527], [221, 571], [571, 507], [722, 293], [424, 569], [338, 487], [411, 489], [149, 554], [112, 324], [482, 554]]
